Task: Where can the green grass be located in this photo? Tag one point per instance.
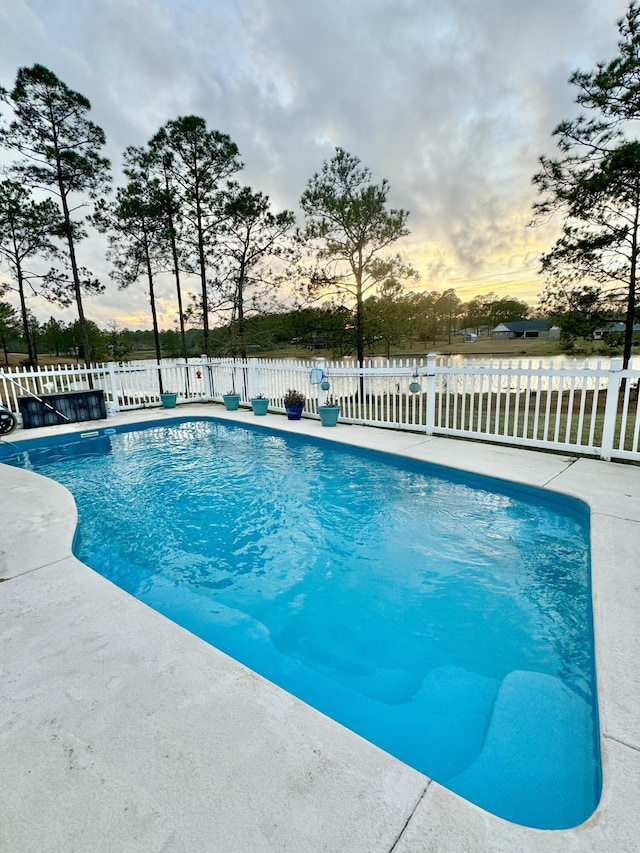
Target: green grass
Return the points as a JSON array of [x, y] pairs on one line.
[[508, 423]]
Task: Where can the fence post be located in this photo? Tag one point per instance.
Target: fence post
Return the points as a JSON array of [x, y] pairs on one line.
[[207, 375], [322, 395], [254, 378], [611, 410], [113, 382], [430, 413]]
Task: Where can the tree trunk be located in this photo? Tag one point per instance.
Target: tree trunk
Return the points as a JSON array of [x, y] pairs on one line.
[[33, 358], [240, 307], [154, 315], [176, 268], [203, 271], [631, 299], [359, 320], [77, 289]]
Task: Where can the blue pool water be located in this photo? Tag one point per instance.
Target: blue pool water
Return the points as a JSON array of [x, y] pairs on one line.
[[443, 616]]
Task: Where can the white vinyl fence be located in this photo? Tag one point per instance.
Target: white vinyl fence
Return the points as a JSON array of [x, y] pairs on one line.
[[570, 408]]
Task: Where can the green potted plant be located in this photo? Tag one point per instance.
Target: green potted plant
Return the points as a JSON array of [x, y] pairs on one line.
[[260, 404], [231, 401], [293, 404], [329, 412], [169, 399]]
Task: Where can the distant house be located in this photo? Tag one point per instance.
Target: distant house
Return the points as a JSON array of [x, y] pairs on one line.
[[612, 329], [522, 329]]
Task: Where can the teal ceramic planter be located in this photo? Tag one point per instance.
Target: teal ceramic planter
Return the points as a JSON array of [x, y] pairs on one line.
[[231, 402], [329, 415], [260, 405], [169, 400]]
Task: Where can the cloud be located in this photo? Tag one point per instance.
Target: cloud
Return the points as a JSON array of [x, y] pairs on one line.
[[452, 102]]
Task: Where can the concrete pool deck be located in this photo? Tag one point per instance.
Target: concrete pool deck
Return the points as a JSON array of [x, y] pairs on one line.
[[121, 731]]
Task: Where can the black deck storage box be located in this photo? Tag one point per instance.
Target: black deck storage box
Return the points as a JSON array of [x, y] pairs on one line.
[[52, 409]]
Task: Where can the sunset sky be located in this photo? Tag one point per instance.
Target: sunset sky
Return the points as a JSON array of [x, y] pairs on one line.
[[453, 102]]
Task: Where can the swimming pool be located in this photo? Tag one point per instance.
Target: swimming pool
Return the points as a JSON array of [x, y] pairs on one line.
[[442, 616]]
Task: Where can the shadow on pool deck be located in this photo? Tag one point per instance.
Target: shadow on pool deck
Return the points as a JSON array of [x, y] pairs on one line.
[[119, 730]]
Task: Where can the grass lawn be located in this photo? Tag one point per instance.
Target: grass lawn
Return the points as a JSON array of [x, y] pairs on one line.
[[523, 418], [484, 348]]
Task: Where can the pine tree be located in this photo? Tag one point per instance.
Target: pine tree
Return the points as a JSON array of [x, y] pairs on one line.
[[61, 150], [26, 229], [349, 228], [198, 162], [595, 184]]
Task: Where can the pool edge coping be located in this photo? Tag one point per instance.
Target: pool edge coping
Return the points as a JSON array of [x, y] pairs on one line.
[[556, 471]]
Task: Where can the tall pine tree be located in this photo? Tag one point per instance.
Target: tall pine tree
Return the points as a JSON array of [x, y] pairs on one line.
[[198, 161], [26, 228], [61, 150], [595, 184], [349, 230]]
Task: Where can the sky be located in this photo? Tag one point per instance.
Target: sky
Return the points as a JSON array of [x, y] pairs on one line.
[[452, 102]]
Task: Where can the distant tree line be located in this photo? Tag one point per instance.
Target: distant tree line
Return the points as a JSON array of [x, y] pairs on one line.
[[391, 319]]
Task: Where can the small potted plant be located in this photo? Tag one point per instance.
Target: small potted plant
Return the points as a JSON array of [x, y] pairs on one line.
[[169, 399], [260, 404], [329, 412], [294, 404], [231, 401]]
